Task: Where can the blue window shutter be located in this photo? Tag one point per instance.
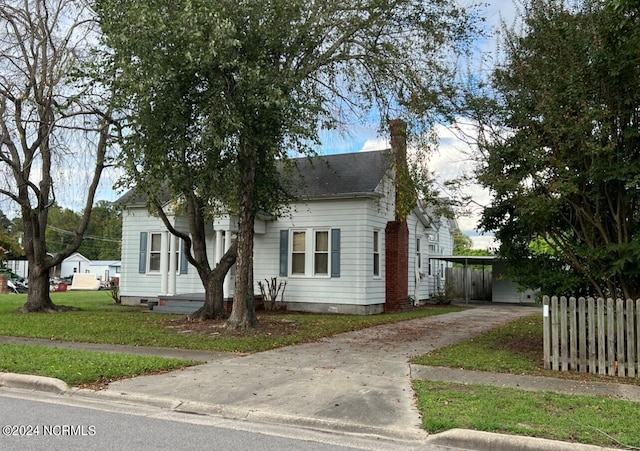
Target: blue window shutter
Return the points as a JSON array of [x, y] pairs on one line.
[[284, 253], [142, 259], [335, 252], [184, 264]]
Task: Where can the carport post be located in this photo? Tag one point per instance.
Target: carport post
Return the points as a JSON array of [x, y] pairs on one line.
[[466, 288]]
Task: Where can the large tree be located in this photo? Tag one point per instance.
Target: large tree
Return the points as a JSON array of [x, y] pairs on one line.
[[52, 118], [564, 162], [221, 90]]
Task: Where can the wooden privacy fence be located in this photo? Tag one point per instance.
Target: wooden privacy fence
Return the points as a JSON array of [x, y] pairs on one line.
[[592, 336], [468, 283]]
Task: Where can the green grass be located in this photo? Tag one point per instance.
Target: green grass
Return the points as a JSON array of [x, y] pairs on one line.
[[517, 348], [77, 367], [583, 419], [513, 348], [100, 320]]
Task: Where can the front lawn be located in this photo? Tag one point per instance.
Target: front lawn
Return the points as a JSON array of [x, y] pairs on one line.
[[77, 367], [517, 348], [513, 348], [583, 419], [100, 320]]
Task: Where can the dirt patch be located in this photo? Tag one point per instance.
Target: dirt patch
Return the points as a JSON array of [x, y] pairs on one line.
[[532, 347], [269, 325], [103, 383], [275, 323]]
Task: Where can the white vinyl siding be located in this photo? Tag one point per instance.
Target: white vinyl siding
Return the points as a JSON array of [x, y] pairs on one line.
[[425, 244], [143, 284], [350, 224]]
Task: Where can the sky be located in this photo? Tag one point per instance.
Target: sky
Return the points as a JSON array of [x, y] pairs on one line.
[[449, 161], [452, 158]]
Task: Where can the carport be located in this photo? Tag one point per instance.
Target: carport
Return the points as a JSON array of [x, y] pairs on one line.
[[466, 260]]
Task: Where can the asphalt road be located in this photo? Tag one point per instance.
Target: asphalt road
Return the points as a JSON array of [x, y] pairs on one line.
[[35, 425], [40, 421]]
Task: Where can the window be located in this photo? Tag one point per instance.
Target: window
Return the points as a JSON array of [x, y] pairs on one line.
[[149, 257], [376, 253], [418, 253], [321, 256], [310, 252], [154, 252], [298, 255]]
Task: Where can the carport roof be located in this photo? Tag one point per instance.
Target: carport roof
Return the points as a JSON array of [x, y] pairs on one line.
[[467, 259]]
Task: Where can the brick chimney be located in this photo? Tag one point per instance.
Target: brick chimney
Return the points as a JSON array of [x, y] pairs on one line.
[[398, 129], [397, 232]]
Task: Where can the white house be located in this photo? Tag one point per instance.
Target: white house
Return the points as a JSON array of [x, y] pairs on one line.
[[75, 263], [105, 270], [340, 247], [19, 266]]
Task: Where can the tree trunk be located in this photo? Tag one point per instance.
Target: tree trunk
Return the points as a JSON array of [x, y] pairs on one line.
[[38, 298], [243, 313], [213, 307]]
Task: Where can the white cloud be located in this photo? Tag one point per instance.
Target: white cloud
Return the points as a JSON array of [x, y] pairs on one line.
[[375, 144], [454, 159], [451, 160]]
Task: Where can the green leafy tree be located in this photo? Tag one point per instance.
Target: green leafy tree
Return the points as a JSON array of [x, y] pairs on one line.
[[221, 91], [461, 244], [50, 115], [563, 162], [103, 238], [9, 245], [62, 222]]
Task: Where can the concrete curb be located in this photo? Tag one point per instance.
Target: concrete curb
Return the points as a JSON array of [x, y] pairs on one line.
[[30, 382], [409, 436], [454, 438], [478, 440]]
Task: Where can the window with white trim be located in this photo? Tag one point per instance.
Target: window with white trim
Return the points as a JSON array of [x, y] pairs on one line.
[[155, 240], [376, 253], [321, 253], [418, 253], [298, 252], [311, 252], [150, 251]]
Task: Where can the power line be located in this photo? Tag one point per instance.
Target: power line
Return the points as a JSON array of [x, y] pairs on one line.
[[91, 237]]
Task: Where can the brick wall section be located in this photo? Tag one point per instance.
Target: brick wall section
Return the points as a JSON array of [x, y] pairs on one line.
[[397, 266], [4, 288]]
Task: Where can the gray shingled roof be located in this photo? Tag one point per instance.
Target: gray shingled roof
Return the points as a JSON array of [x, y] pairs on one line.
[[323, 176], [341, 175]]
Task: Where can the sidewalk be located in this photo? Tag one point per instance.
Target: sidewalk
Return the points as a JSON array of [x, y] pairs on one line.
[[354, 383]]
